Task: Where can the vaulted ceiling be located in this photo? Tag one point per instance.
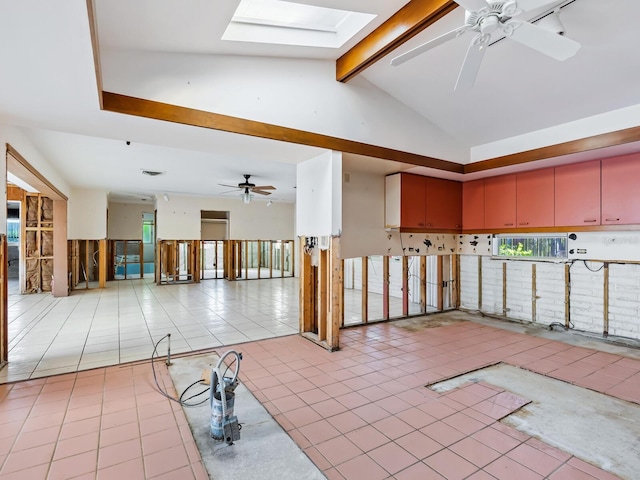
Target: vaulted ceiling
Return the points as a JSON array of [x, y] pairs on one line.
[[170, 52]]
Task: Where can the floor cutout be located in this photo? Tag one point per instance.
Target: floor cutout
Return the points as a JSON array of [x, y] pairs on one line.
[[265, 451], [594, 427]]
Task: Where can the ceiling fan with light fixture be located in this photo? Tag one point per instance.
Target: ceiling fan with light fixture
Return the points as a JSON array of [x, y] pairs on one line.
[[492, 19], [247, 188]]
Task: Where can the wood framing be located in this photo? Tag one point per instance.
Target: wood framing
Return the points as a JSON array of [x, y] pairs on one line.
[[504, 289], [455, 269], [102, 263], [38, 243], [423, 284], [259, 258], [405, 285], [385, 287], [534, 293], [306, 291], [403, 25], [324, 272], [336, 295]]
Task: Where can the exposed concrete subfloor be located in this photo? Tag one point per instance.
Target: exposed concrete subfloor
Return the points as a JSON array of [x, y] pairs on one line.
[[264, 451], [579, 421]]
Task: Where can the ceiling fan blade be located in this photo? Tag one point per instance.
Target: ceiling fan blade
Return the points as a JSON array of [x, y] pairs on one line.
[[260, 192], [414, 52], [229, 191], [472, 5], [264, 187], [472, 61], [229, 186], [544, 41]]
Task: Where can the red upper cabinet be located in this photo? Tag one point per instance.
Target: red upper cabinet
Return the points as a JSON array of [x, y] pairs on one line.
[[412, 201], [473, 205], [443, 204], [577, 194], [500, 202], [620, 192], [405, 201], [535, 198]]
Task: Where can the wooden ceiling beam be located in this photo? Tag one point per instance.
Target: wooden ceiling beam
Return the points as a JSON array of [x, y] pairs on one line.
[[610, 139], [118, 103], [407, 22]]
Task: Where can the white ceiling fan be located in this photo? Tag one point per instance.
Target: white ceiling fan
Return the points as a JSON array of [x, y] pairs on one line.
[[493, 17]]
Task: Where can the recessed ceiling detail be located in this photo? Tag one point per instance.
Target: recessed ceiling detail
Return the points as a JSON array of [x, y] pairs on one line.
[[289, 23]]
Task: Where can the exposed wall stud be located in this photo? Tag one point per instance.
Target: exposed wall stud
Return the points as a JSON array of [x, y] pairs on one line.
[[504, 289], [440, 281], [405, 286], [423, 284], [365, 289], [534, 294]]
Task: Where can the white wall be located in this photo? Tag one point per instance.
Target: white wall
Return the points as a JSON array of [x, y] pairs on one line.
[[87, 214], [319, 196], [297, 93], [125, 220], [19, 141], [180, 218]]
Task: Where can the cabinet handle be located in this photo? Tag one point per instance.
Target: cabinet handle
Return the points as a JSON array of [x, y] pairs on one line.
[[612, 219], [508, 224], [523, 223], [591, 221], [428, 224]]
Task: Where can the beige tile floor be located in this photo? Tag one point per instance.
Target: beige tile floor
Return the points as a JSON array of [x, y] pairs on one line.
[[119, 324], [101, 327]]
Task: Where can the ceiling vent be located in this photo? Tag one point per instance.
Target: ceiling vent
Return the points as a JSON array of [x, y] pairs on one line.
[[152, 173]]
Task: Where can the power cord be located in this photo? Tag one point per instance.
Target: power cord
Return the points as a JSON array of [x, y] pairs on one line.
[[162, 392]]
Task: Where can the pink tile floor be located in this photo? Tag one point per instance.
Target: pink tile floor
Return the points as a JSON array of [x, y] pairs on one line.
[[108, 423], [364, 413], [360, 413]]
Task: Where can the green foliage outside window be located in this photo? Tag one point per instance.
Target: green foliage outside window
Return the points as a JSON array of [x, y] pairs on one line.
[[519, 251], [531, 246]]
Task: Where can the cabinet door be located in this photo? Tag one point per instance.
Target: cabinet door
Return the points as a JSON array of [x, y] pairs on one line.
[[500, 202], [444, 204], [535, 198], [577, 194], [473, 205], [412, 201], [620, 190]]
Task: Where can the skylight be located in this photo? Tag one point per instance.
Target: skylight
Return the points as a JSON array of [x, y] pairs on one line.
[[289, 23]]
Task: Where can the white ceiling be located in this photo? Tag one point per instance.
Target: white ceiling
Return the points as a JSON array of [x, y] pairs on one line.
[[50, 90]]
